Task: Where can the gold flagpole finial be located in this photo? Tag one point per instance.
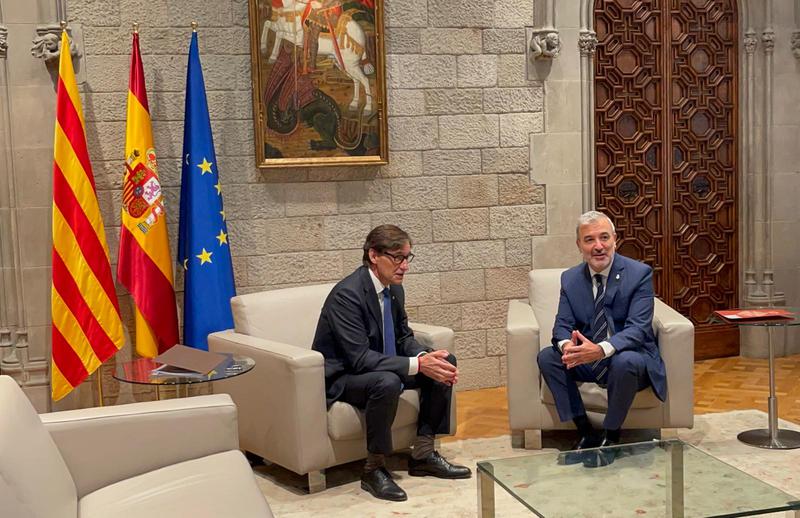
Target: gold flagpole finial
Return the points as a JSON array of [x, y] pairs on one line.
[[136, 27], [63, 24], [194, 26]]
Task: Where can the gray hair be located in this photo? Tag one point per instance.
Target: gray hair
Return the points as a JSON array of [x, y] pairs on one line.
[[592, 216]]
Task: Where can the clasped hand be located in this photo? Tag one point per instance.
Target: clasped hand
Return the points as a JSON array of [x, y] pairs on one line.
[[435, 366], [573, 355]]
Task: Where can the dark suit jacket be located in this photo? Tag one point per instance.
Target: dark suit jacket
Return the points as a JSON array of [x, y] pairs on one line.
[[628, 303], [350, 332]]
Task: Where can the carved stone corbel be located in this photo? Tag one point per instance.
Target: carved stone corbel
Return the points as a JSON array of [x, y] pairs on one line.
[[46, 44], [587, 42], [3, 41], [796, 44], [545, 44]]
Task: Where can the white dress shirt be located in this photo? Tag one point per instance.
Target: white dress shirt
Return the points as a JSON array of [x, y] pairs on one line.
[[608, 349], [413, 361]]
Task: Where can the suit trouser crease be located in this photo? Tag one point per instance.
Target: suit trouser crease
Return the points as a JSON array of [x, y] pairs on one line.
[[623, 375], [377, 395]]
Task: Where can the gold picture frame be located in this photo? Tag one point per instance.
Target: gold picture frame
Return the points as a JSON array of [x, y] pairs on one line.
[[318, 104]]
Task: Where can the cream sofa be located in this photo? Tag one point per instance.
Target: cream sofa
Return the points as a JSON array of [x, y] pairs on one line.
[[149, 460], [282, 412], [530, 404]]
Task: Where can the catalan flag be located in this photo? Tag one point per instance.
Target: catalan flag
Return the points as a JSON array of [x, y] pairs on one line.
[[203, 247], [87, 328], [145, 265]]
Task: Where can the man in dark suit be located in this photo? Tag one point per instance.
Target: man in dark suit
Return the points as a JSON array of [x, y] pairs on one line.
[[371, 356], [603, 334]]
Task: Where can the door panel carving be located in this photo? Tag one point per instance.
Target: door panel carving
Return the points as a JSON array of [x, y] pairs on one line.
[[666, 147]]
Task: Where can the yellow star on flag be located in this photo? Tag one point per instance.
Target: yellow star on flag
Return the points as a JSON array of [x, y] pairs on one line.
[[222, 237], [205, 166], [222, 212], [204, 256], [218, 187]]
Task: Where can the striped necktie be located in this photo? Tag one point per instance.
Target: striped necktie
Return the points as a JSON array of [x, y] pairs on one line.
[[599, 323]]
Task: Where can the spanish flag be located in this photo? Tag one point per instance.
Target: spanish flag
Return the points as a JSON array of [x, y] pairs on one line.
[[145, 266], [87, 328]]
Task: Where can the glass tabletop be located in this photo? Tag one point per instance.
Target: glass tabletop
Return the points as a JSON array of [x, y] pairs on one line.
[[792, 318], [656, 478], [146, 371]]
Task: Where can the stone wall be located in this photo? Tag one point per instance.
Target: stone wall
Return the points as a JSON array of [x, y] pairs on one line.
[[461, 113]]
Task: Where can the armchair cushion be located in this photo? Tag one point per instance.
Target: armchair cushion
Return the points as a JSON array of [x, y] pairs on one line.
[[346, 422], [204, 485]]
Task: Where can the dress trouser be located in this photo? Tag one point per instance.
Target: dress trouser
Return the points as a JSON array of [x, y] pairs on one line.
[[623, 374], [377, 394]]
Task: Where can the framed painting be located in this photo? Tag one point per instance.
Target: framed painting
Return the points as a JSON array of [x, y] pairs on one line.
[[319, 87]]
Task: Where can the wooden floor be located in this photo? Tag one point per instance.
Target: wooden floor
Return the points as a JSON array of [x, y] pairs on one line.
[[720, 385]]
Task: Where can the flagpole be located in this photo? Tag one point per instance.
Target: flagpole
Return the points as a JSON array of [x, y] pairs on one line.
[[136, 27], [194, 26], [99, 377]]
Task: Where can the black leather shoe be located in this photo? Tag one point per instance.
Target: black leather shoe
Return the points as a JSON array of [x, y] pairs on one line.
[[591, 440], [437, 466], [603, 456], [379, 482], [577, 455]]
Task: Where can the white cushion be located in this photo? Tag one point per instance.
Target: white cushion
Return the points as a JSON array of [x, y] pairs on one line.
[[287, 315], [595, 398], [347, 422], [34, 480], [209, 487]]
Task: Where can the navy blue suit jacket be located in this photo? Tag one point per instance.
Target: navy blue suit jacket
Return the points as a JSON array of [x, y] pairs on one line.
[[350, 332], [628, 303]]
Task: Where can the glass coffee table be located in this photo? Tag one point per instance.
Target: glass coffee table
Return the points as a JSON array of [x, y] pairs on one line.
[[652, 479]]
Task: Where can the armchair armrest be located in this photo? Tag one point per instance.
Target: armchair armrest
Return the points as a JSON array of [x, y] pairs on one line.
[[282, 409], [104, 445], [675, 334], [522, 336], [435, 337]]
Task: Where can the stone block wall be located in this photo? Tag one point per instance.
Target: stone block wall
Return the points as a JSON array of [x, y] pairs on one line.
[[461, 114]]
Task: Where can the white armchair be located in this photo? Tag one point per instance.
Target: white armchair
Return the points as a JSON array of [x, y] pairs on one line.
[[161, 458], [531, 408], [282, 412]]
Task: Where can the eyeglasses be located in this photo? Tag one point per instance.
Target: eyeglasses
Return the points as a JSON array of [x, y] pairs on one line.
[[398, 259]]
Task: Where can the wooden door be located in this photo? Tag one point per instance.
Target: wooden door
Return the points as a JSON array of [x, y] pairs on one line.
[[666, 150]]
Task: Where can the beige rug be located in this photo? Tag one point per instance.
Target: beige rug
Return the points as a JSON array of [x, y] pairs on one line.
[[428, 497]]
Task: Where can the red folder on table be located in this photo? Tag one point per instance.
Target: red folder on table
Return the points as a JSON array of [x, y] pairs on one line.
[[749, 315]]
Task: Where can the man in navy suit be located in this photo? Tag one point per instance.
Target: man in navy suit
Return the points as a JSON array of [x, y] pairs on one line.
[[371, 356], [603, 334]]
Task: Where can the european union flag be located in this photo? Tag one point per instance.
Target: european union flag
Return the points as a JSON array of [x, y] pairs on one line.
[[203, 248]]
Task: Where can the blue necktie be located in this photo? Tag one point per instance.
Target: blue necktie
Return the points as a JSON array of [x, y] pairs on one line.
[[599, 325], [388, 325]]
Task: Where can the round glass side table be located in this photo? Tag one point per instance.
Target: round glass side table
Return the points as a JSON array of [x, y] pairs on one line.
[[771, 437], [146, 371]]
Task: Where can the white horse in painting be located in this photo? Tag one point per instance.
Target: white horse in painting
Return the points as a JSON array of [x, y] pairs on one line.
[[286, 23]]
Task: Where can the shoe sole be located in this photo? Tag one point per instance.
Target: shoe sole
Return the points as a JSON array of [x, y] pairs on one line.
[[368, 489], [421, 473]]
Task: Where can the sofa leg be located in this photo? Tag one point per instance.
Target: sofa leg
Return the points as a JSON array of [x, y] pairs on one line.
[[316, 481], [517, 439], [669, 434], [533, 439]]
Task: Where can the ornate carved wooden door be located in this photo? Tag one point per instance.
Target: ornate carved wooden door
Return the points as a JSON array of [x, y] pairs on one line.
[[666, 150]]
